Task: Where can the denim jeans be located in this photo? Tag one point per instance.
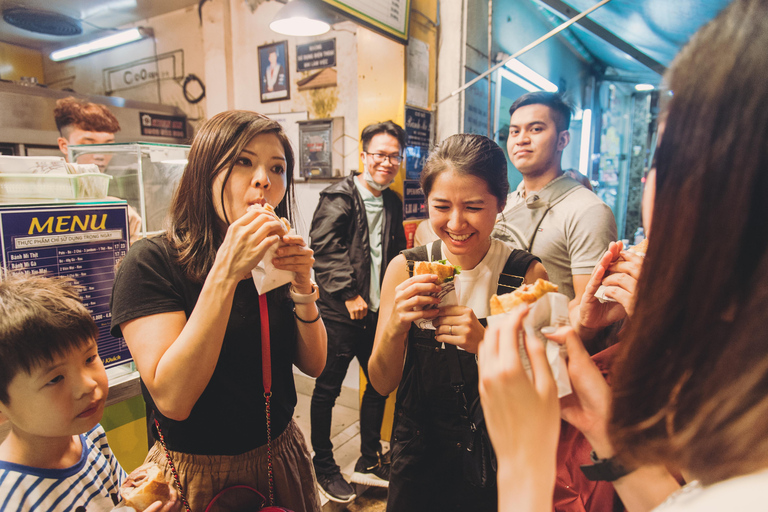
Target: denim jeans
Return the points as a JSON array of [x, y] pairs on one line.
[[345, 342]]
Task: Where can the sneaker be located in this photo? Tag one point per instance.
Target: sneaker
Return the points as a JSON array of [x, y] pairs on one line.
[[335, 488], [376, 475]]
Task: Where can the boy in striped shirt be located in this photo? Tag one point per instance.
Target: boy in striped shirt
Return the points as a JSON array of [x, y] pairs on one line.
[[53, 389]]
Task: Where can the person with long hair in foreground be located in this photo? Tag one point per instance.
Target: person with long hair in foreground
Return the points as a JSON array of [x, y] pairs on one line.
[[689, 388]]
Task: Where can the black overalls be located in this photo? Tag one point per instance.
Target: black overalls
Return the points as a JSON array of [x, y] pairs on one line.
[[430, 422]]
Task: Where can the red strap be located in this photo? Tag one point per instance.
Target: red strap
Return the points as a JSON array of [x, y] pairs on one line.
[[266, 358]]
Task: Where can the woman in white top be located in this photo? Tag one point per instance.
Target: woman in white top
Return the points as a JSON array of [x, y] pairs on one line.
[[465, 182], [689, 390]]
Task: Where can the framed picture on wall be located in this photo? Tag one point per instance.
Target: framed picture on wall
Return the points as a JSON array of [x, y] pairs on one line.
[[274, 82]]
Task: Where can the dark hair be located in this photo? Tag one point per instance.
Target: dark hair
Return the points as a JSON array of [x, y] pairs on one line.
[[691, 386], [194, 224], [388, 127], [41, 318], [561, 110], [469, 154], [71, 113]]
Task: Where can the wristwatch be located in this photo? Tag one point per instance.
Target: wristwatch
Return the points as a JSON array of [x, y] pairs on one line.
[[305, 298], [605, 470]]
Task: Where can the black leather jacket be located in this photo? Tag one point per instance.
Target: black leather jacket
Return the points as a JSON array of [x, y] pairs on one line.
[[339, 238]]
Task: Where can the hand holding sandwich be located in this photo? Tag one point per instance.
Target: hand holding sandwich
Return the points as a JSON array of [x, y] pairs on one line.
[[618, 271]]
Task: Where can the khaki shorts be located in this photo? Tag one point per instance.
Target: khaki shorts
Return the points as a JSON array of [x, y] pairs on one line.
[[205, 475]]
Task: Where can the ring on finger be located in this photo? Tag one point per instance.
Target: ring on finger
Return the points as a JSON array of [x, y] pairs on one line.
[[450, 330]]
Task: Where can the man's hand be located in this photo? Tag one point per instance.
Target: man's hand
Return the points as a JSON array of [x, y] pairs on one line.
[[357, 308]]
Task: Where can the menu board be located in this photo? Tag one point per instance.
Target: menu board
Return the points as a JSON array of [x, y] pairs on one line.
[[389, 17], [84, 242]]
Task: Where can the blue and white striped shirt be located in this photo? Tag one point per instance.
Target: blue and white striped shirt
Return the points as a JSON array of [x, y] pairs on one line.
[[91, 485]]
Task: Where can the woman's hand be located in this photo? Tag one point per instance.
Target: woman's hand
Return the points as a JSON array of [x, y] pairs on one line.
[[293, 254], [522, 415], [459, 326], [411, 297], [247, 241], [588, 407], [618, 271]]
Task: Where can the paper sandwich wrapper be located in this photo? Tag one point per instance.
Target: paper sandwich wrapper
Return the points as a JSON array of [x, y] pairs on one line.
[[550, 310], [266, 277], [447, 295]]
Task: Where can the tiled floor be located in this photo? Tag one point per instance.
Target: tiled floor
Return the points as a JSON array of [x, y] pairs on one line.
[[345, 435]]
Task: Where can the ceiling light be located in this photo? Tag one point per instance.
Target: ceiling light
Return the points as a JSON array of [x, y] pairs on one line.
[[530, 75], [586, 134], [301, 18], [644, 87], [528, 86], [104, 43]]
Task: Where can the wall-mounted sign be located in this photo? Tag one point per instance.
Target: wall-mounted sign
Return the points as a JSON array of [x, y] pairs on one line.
[[158, 125], [388, 17], [417, 126], [274, 78], [133, 74], [417, 138], [317, 55], [414, 202], [81, 242]]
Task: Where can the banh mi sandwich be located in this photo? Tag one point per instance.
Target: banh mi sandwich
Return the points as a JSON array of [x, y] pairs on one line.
[[144, 486], [528, 293], [286, 224], [445, 271]]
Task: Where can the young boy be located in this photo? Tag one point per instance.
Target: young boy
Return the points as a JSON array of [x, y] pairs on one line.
[[53, 388]]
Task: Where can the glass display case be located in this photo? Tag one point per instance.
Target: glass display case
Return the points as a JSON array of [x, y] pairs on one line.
[[144, 174]]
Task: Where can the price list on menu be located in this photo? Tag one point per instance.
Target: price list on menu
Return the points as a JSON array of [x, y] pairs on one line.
[[84, 242]]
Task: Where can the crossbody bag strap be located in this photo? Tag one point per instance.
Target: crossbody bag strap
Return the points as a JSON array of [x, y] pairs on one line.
[[266, 375]]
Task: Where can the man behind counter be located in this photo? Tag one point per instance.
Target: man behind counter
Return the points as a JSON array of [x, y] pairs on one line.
[[82, 122]]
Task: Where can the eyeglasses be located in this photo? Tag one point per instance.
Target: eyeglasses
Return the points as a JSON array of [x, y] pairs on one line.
[[380, 158]]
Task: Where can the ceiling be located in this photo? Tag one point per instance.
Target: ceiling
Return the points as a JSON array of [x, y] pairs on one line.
[[634, 40], [96, 17]]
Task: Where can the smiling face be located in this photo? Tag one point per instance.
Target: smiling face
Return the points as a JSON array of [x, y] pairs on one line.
[[462, 211], [534, 144], [258, 176], [384, 171], [64, 397]]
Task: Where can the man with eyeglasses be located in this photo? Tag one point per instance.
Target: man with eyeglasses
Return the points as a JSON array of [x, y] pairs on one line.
[[357, 229]]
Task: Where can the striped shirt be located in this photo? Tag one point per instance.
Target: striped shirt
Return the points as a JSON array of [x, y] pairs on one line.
[[91, 485]]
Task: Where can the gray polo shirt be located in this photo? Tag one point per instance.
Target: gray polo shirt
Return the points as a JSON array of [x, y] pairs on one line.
[[572, 235]]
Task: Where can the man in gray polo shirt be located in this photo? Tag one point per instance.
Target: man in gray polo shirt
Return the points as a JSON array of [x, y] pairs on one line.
[[550, 214]]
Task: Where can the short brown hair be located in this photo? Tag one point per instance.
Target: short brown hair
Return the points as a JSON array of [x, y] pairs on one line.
[[73, 113], [388, 127], [40, 318], [469, 154], [194, 230]]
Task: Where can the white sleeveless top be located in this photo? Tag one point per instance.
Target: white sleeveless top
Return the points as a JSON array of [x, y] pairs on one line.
[[475, 287]]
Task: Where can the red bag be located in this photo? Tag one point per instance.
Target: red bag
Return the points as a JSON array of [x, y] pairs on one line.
[[218, 501]]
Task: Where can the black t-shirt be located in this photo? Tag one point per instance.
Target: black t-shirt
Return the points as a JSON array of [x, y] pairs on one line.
[[229, 417]]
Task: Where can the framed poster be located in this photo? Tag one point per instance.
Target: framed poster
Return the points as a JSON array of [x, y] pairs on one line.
[[274, 82]]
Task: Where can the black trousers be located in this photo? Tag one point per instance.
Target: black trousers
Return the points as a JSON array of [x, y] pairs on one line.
[[345, 342]]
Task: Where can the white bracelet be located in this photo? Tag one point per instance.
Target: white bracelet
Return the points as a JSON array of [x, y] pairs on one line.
[[305, 298]]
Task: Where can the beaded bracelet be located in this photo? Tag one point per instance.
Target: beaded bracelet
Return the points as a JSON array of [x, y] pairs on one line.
[[306, 321]]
